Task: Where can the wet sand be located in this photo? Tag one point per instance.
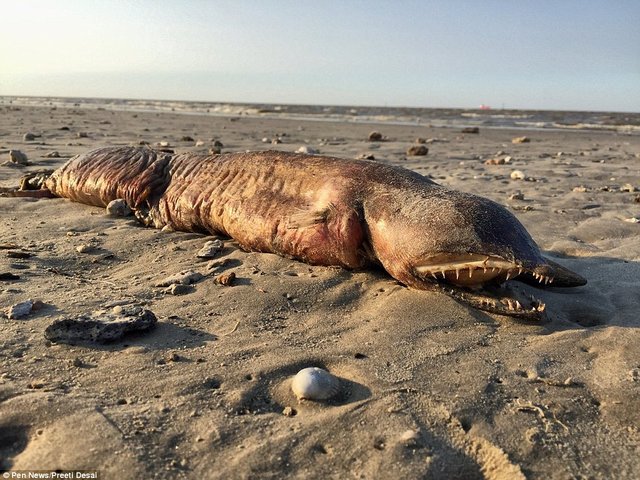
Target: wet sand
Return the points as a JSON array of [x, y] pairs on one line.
[[431, 388]]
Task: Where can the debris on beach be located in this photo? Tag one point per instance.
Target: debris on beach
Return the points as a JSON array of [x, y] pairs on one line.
[[307, 150], [375, 137], [225, 279], [417, 150], [29, 137], [498, 160], [23, 309], [16, 157], [314, 383], [517, 175], [520, 140], [101, 326], [210, 249], [187, 277], [118, 208], [471, 130]]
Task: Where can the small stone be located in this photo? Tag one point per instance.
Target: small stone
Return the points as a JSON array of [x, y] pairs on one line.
[[173, 357], [417, 150], [305, 149], [85, 248], [276, 141], [210, 249], [375, 137], [632, 220], [580, 189], [20, 310], [627, 187], [52, 154], [82, 135], [187, 138], [410, 439], [495, 161], [28, 137], [226, 279], [475, 130], [265, 140], [520, 140], [517, 196], [118, 208], [218, 144], [366, 156], [517, 175], [215, 151], [289, 412], [178, 289], [421, 140], [18, 158], [36, 384], [187, 277], [199, 143]]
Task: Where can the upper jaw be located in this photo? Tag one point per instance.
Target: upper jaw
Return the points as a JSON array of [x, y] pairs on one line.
[[476, 278], [471, 269]]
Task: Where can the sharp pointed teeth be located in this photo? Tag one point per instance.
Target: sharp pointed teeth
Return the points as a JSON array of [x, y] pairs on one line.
[[519, 307], [470, 272], [434, 275], [520, 270], [457, 273], [508, 274]]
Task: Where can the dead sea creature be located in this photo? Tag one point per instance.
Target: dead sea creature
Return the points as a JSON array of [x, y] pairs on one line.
[[326, 211], [314, 383]]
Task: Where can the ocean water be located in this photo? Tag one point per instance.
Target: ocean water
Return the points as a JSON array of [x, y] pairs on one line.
[[626, 123]]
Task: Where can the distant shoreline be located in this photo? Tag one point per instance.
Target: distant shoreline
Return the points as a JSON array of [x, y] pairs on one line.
[[623, 123]]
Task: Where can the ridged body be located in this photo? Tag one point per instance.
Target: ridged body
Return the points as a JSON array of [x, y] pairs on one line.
[[321, 210]]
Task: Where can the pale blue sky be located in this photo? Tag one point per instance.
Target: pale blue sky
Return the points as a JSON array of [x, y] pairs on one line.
[[571, 54]]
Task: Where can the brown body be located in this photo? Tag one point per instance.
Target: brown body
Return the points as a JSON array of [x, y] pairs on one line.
[[323, 211]]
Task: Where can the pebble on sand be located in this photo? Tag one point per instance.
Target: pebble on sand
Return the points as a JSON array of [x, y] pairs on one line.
[[417, 150], [18, 158], [210, 249], [305, 149], [520, 140], [375, 137], [314, 383], [118, 208], [184, 278], [517, 175], [471, 130]]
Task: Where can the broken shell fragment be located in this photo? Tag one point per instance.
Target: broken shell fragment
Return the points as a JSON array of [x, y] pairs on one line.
[[314, 383]]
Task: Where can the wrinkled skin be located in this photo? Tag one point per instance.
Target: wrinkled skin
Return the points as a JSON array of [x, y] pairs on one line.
[[327, 211]]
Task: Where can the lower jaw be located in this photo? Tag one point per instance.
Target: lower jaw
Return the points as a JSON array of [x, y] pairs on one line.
[[498, 299]]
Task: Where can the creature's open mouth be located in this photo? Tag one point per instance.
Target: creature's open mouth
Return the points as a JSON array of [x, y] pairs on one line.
[[476, 279]]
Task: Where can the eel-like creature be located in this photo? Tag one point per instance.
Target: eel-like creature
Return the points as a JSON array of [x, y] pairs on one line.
[[326, 211]]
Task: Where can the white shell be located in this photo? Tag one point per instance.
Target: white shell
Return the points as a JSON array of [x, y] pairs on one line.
[[314, 383]]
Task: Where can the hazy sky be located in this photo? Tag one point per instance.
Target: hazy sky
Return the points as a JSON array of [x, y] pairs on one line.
[[562, 54]]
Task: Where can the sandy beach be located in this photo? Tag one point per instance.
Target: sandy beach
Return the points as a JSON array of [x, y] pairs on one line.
[[430, 387]]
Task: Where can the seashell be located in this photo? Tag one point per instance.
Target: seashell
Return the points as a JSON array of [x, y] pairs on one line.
[[314, 383]]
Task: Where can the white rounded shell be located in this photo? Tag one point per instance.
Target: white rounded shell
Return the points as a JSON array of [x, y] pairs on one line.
[[314, 383]]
